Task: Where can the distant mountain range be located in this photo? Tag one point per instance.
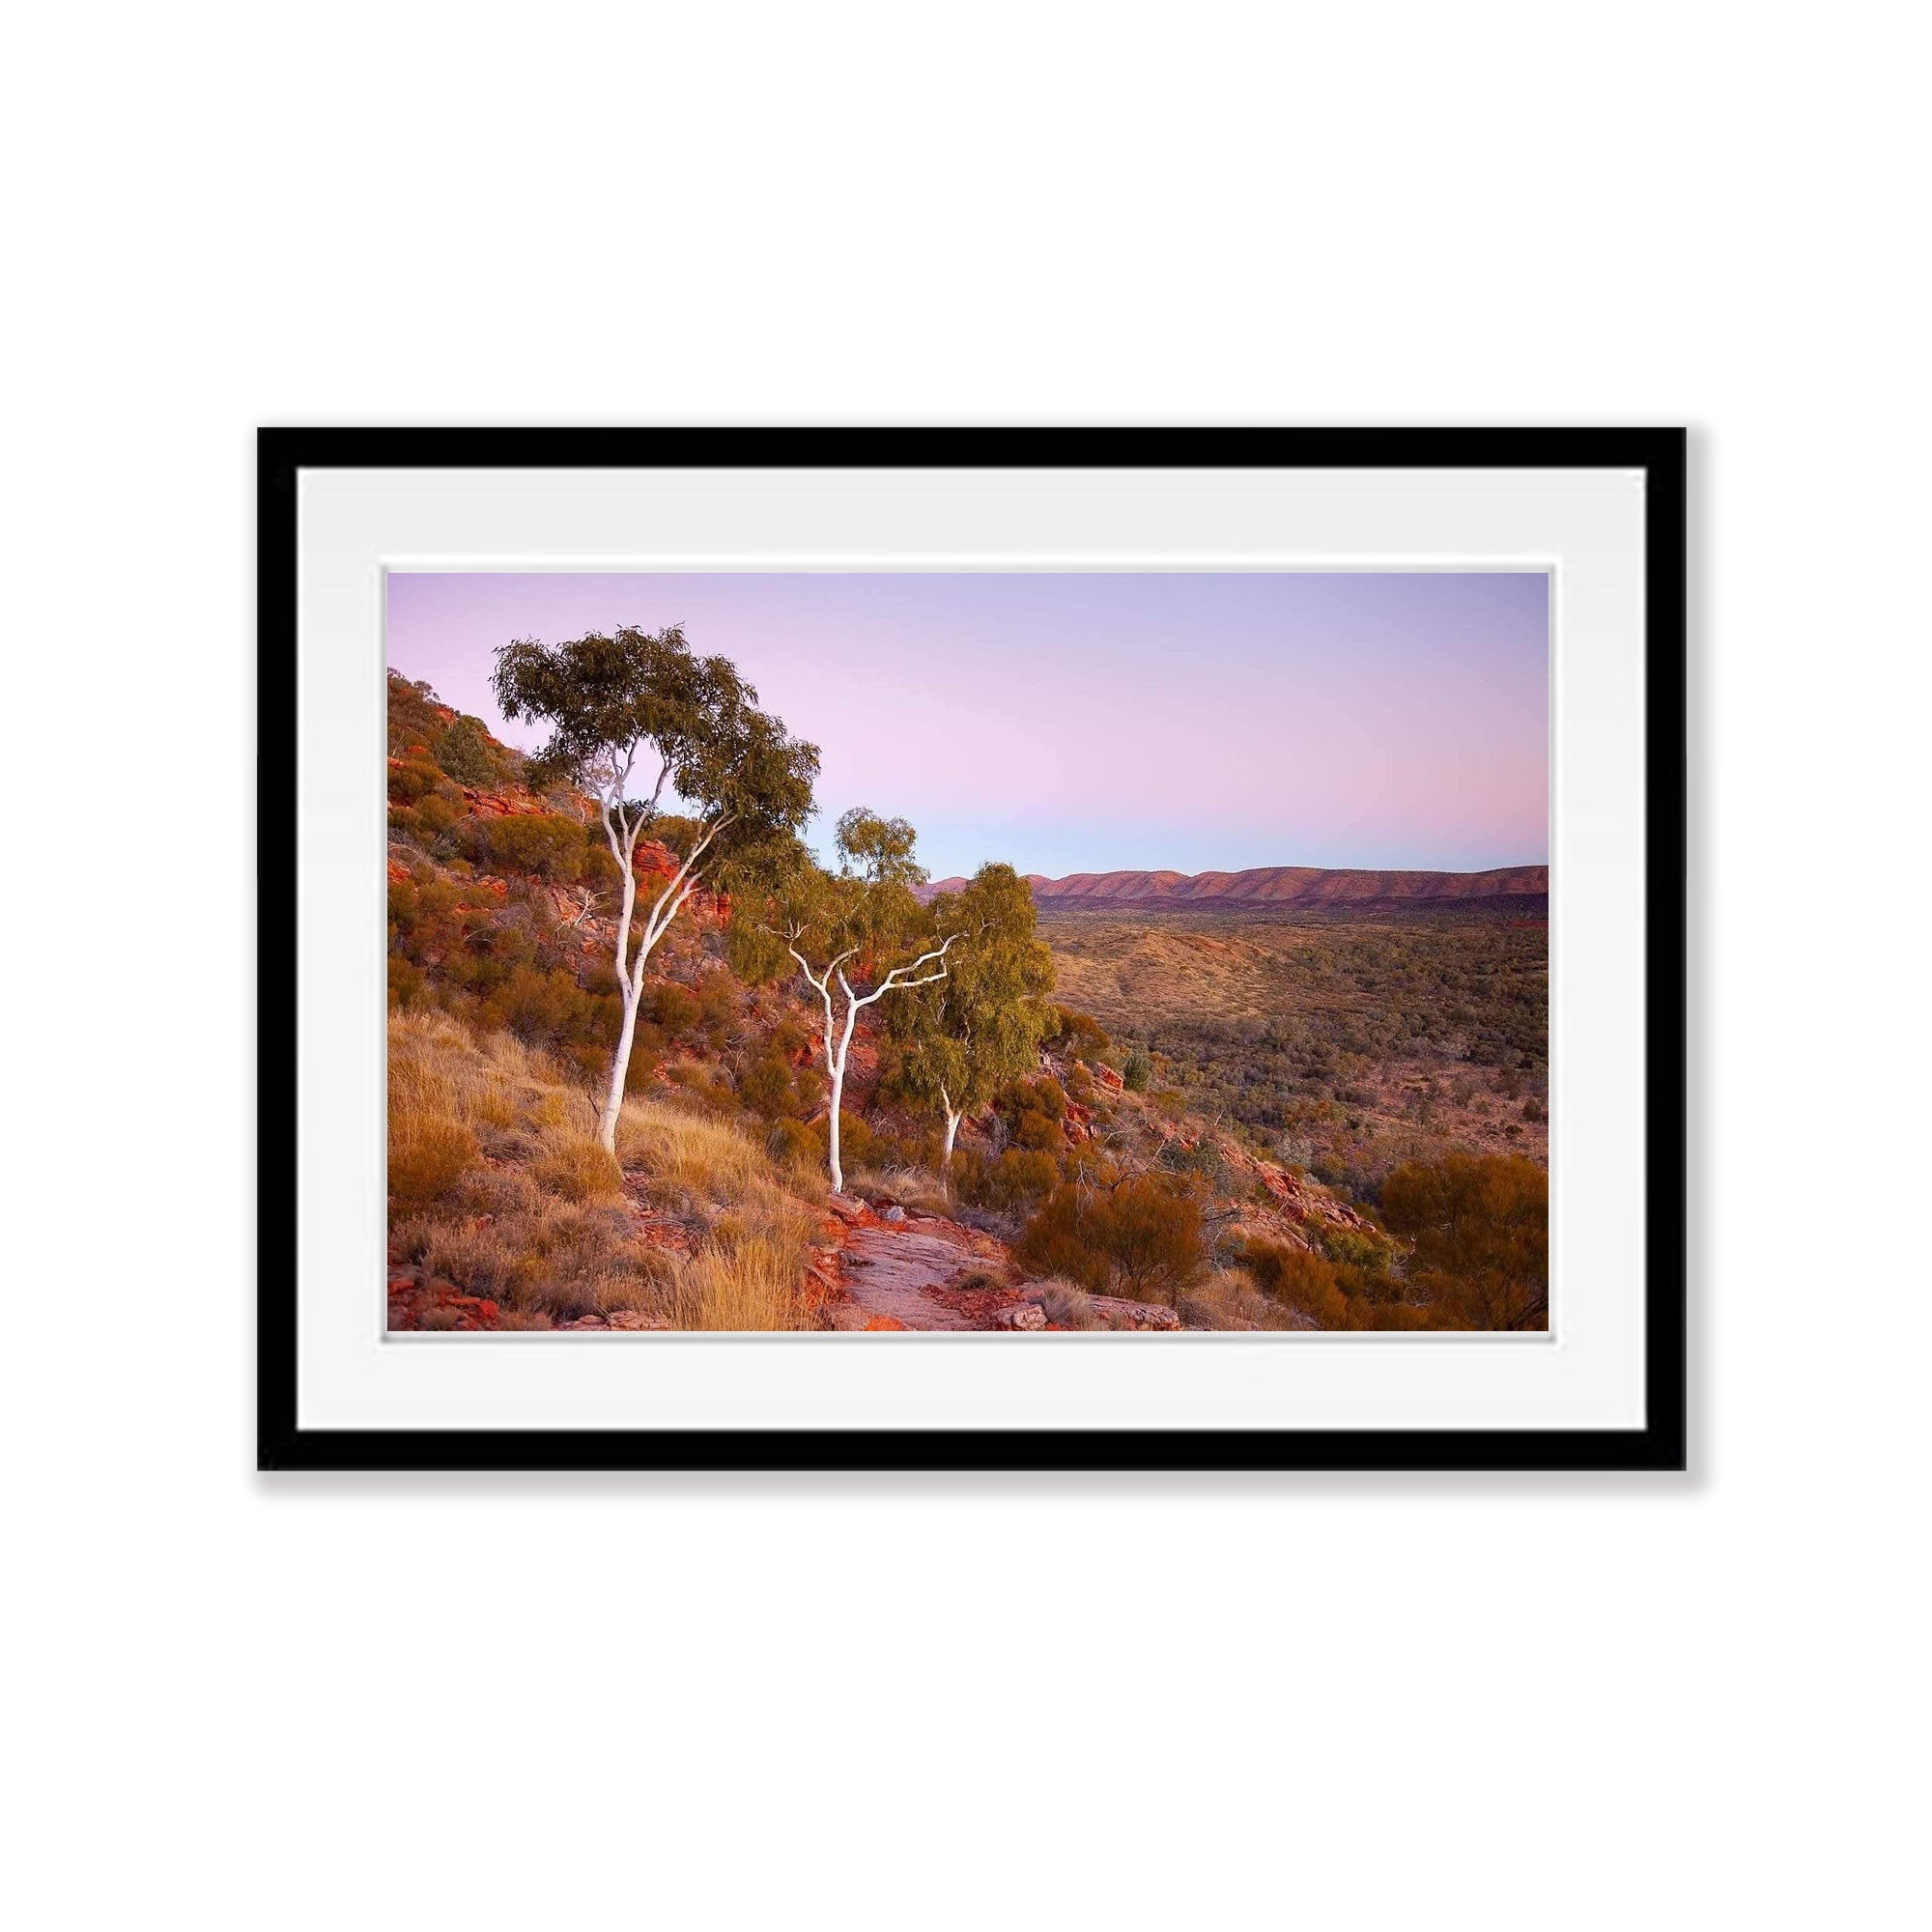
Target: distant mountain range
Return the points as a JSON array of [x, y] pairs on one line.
[[1277, 886]]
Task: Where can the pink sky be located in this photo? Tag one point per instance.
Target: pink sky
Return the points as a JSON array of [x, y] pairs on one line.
[[1097, 721]]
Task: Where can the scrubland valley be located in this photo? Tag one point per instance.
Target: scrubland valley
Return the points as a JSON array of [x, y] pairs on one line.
[[852, 1101]]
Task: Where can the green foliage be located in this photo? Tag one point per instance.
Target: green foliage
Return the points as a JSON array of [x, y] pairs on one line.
[[672, 1007], [1143, 1237], [1010, 1183], [1340, 1296], [550, 846], [879, 849], [434, 815], [640, 698], [1138, 1073], [857, 1146], [961, 1038], [464, 752], [415, 719], [1077, 1035]]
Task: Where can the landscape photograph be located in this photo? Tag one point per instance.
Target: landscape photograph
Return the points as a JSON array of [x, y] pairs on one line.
[[865, 953]]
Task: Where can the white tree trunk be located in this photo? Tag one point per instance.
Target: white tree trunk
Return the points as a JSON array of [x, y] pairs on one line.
[[620, 1070], [954, 1116], [835, 1062], [622, 838]]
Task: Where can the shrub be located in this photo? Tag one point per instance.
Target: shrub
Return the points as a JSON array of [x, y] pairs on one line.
[[464, 753], [412, 779], [547, 1009], [434, 815], [548, 844], [1017, 1179], [1138, 1073], [1303, 1282], [1153, 1234], [672, 1007], [718, 1002], [1480, 1229], [766, 1085], [1145, 1234], [1078, 1035]]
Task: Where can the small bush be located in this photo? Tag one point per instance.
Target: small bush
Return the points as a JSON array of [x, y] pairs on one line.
[[1145, 1236], [412, 779], [1138, 1073], [434, 815], [1014, 1182], [1078, 1035], [1303, 1282], [549, 845], [672, 1007], [1480, 1229]]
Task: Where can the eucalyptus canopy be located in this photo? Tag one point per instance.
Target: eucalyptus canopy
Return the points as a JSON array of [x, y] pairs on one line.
[[638, 718], [965, 1037]]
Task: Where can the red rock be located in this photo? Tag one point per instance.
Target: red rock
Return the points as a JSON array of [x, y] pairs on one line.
[[488, 1310], [882, 1322]]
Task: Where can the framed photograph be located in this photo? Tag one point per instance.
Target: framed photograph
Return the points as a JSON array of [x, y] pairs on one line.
[[972, 949]]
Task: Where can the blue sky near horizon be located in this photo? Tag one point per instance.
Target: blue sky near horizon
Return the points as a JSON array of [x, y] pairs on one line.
[[1097, 721]]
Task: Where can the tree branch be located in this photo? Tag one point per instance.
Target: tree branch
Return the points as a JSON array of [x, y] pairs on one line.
[[892, 982]]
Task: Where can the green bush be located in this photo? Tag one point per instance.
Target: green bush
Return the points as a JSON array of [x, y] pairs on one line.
[[1138, 1073], [766, 1086], [465, 754], [672, 1007], [548, 844]]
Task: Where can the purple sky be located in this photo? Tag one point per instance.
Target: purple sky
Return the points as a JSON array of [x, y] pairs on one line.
[[1088, 722]]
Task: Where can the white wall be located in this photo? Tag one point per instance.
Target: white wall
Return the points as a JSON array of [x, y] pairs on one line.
[[1387, 1703]]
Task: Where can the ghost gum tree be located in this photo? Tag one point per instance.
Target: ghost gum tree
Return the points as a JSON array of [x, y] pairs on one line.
[[841, 928], [963, 1038], [640, 708]]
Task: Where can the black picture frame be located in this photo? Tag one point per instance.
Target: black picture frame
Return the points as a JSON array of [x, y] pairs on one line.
[[1659, 1445]]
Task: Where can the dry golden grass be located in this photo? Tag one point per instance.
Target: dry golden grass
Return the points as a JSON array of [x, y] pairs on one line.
[[429, 1153], [753, 1284], [576, 1167], [505, 1190], [1229, 1298], [912, 1187]]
